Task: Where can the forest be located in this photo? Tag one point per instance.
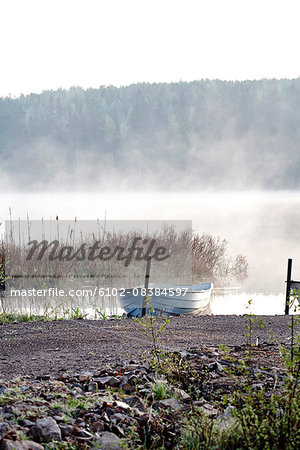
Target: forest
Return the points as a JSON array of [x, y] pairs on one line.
[[206, 134]]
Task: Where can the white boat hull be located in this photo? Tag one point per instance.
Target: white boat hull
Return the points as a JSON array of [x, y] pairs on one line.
[[169, 300]]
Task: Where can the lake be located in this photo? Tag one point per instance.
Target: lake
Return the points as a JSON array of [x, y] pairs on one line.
[[263, 226]]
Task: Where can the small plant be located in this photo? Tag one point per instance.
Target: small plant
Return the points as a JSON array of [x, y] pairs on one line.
[[104, 316], [154, 331], [198, 431], [77, 315], [161, 389], [11, 318], [251, 321]]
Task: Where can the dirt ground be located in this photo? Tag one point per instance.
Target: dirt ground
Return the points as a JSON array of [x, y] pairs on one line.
[[50, 348]]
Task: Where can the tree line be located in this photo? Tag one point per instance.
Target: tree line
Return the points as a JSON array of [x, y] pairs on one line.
[[186, 135]]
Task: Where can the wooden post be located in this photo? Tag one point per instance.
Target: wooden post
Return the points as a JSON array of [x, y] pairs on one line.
[[147, 276], [288, 288], [2, 268]]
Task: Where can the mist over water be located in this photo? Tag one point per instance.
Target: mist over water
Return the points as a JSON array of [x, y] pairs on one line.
[[263, 226]]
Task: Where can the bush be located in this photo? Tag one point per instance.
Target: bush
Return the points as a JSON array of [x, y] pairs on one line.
[[212, 263]]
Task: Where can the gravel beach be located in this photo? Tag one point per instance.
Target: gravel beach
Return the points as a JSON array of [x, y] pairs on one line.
[[37, 348]]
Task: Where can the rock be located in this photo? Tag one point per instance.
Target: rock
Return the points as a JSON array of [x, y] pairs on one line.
[[79, 386], [85, 376], [151, 376], [98, 426], [113, 382], [258, 386], [132, 377], [45, 430], [107, 441], [24, 388], [215, 366], [173, 404], [43, 377], [226, 420], [107, 381], [229, 411], [143, 419], [92, 386], [126, 387], [65, 429], [2, 389], [135, 402], [4, 428], [84, 434], [8, 416], [224, 362], [116, 418], [184, 396], [58, 418], [122, 405], [209, 410], [131, 367], [7, 444], [27, 423]]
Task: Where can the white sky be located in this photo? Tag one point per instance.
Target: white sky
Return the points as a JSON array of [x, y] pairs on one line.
[[47, 44]]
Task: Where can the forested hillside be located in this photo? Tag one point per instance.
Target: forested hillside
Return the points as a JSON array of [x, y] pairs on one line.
[[197, 135]]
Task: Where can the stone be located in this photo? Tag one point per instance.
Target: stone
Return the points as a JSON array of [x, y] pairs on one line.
[[209, 410], [106, 381], [85, 376], [215, 366], [116, 418], [151, 376], [126, 387], [107, 441], [173, 404], [122, 405], [226, 420], [228, 412], [98, 426], [79, 386], [113, 382], [184, 396], [4, 428], [66, 429], [58, 418], [258, 386], [43, 377], [84, 434], [92, 386], [135, 402], [24, 388], [224, 362], [45, 430], [20, 445], [132, 367], [27, 423], [132, 377]]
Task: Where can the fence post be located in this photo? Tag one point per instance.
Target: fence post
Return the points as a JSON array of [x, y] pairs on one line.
[[288, 283], [147, 276]]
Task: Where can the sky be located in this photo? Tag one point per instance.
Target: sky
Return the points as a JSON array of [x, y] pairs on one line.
[[51, 44]]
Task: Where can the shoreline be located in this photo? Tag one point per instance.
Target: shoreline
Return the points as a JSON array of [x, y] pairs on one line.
[[37, 348]]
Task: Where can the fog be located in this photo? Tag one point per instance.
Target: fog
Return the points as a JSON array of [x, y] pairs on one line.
[[263, 226]]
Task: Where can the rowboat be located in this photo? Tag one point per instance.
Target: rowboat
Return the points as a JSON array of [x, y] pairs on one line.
[[168, 300]]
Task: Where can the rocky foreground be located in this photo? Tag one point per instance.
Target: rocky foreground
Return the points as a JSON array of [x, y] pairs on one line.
[[125, 406], [132, 403]]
